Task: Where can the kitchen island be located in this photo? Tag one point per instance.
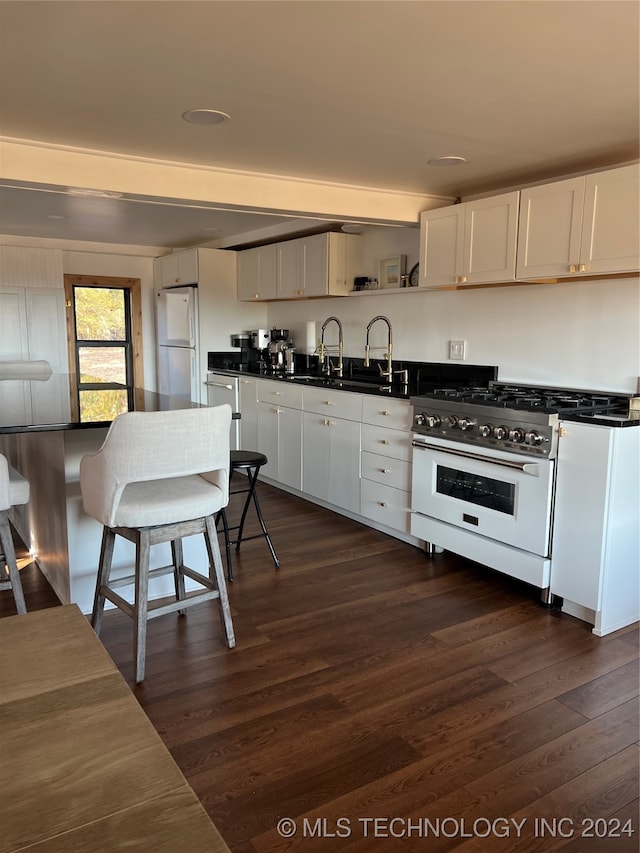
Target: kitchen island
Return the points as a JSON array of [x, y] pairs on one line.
[[43, 441]]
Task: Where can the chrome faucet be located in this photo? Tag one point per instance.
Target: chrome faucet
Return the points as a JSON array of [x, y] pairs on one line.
[[388, 373], [323, 348]]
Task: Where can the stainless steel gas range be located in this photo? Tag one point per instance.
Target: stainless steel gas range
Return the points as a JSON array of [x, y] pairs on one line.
[[484, 471]]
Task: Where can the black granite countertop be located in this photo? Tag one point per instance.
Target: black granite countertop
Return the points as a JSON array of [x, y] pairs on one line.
[[422, 377]]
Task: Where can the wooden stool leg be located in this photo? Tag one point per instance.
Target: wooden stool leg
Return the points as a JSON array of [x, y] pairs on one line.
[[227, 541], [10, 557], [178, 574], [216, 572], [104, 572], [140, 605]]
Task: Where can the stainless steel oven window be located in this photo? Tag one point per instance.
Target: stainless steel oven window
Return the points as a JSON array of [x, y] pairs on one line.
[[476, 489]]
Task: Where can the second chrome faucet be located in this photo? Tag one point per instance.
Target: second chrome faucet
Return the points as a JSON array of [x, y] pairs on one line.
[[388, 373]]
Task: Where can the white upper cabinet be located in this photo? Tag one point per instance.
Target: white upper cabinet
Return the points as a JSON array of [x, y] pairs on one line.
[[176, 269], [291, 268], [257, 274], [469, 243], [319, 265], [611, 221], [581, 226]]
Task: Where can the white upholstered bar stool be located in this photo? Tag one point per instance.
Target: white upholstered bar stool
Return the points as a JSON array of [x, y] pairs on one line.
[[14, 490], [158, 477]]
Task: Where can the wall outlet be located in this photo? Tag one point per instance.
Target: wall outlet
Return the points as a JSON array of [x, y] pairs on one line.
[[457, 350]]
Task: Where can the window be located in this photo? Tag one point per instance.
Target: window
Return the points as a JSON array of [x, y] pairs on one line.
[[103, 316]]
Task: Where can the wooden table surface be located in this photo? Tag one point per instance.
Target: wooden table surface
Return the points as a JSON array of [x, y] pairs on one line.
[[82, 768]]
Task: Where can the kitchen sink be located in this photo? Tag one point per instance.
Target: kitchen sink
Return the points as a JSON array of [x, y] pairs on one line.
[[341, 382]]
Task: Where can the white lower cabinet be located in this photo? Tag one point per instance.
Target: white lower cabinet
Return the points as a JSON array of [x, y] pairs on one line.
[[385, 488], [330, 460], [279, 431], [248, 413], [331, 447], [595, 547], [350, 451]]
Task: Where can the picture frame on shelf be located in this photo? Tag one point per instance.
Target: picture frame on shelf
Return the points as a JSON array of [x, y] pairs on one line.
[[391, 272]]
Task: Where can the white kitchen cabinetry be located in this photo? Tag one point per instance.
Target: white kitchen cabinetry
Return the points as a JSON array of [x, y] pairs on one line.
[[582, 226], [248, 413], [471, 243], [386, 462], [279, 428], [257, 274], [176, 269], [224, 389], [32, 328], [331, 447], [595, 547], [319, 265]]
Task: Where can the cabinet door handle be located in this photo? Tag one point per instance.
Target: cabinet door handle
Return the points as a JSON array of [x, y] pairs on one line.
[[572, 268], [382, 503], [386, 414], [256, 295], [329, 403], [278, 393], [277, 411], [299, 292], [583, 267], [384, 441], [385, 471]]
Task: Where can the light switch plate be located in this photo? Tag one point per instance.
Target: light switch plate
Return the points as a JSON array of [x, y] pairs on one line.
[[457, 350]]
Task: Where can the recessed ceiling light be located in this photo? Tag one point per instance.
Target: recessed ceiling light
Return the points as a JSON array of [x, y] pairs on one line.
[[54, 216], [205, 116], [447, 161], [352, 228]]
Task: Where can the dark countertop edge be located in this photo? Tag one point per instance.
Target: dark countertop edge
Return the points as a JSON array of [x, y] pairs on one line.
[[616, 421]]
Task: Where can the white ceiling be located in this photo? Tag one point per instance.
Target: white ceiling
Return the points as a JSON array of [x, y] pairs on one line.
[[342, 91]]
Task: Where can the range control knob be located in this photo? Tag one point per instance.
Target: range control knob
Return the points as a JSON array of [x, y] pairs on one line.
[[466, 424], [420, 420], [501, 432], [433, 421], [534, 438], [486, 430], [517, 435], [452, 421]]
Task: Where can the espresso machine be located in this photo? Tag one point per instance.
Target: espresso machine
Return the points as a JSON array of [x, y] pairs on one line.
[[280, 350]]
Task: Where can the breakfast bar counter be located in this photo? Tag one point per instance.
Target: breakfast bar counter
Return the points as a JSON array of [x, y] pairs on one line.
[[45, 443], [82, 766]]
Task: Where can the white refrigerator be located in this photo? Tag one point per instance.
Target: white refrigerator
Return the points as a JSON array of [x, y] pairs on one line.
[[178, 344]]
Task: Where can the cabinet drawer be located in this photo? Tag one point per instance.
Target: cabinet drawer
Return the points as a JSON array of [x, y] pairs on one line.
[[338, 404], [385, 505], [397, 414], [386, 442], [279, 393], [389, 472]]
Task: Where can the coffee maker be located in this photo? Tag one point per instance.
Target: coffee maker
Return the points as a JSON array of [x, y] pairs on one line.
[[280, 350]]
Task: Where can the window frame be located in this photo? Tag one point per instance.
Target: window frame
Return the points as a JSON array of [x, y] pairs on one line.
[[133, 318]]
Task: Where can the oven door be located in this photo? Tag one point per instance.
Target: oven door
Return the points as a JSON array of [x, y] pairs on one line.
[[503, 496]]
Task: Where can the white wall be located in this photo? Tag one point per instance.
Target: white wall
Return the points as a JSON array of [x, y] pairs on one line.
[[573, 334]]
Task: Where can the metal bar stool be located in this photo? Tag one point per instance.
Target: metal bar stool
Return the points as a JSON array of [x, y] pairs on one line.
[[251, 461]]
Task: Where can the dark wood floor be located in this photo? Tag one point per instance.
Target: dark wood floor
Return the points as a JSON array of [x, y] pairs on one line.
[[370, 681]]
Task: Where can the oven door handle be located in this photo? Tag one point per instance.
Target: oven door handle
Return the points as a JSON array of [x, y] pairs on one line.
[[527, 467]]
